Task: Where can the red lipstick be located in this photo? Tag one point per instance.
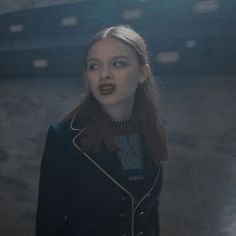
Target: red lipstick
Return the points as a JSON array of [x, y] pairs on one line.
[[107, 89]]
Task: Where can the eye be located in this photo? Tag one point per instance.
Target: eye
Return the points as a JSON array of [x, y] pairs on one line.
[[93, 66], [119, 64]]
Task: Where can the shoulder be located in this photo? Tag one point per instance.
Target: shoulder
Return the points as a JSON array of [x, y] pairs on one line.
[[66, 127], [58, 139], [60, 128]]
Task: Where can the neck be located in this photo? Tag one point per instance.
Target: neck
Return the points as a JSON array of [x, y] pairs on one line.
[[119, 112]]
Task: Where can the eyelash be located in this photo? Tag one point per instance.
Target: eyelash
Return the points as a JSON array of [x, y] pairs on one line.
[[116, 64], [120, 64], [91, 66]]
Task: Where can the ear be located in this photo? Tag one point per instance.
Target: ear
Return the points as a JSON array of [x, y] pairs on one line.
[[145, 73]]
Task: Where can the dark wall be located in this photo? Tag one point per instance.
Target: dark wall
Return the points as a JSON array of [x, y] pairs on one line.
[[204, 42]]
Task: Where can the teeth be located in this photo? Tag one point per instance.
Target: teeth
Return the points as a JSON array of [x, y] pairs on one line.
[[107, 88]]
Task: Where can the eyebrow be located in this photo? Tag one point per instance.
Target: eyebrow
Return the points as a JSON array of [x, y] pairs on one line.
[[113, 58]]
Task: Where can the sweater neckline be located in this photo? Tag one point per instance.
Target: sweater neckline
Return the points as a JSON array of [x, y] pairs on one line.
[[123, 127]]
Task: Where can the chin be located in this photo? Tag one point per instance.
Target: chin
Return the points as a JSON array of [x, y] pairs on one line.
[[108, 101], [114, 100]]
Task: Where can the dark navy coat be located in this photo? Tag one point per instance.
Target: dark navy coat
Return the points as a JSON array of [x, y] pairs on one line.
[[87, 195]]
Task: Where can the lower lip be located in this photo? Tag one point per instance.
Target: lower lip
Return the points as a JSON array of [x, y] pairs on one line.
[[106, 91]]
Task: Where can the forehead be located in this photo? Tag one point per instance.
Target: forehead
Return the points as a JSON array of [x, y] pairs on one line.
[[110, 47]]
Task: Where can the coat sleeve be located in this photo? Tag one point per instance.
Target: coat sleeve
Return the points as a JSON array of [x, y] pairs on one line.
[[51, 209]]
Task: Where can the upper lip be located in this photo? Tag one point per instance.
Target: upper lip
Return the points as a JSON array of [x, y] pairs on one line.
[[107, 86]]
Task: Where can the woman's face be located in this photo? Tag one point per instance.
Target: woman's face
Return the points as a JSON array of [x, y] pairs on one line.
[[113, 73]]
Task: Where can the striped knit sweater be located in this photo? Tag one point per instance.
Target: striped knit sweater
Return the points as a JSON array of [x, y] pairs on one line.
[[130, 154]]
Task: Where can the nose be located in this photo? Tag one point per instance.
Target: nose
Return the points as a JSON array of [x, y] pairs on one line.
[[105, 73]]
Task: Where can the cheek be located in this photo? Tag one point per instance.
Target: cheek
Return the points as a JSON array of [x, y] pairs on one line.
[[90, 82], [133, 78], [92, 87], [129, 86]]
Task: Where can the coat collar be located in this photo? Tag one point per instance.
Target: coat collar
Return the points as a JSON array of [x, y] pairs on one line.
[[75, 126]]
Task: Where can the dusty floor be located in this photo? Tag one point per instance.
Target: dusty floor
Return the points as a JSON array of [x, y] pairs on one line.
[[199, 194]]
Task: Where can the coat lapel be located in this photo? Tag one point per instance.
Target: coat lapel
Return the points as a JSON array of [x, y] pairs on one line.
[[109, 163]]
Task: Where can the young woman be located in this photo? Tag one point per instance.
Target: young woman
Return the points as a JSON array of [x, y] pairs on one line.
[[101, 171]]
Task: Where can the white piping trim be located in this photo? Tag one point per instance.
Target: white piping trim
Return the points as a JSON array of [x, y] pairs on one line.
[[98, 166], [71, 124], [149, 191], [90, 158], [133, 207], [141, 200], [105, 173]]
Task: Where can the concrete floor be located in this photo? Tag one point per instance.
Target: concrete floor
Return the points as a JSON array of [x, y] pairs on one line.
[[199, 194]]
